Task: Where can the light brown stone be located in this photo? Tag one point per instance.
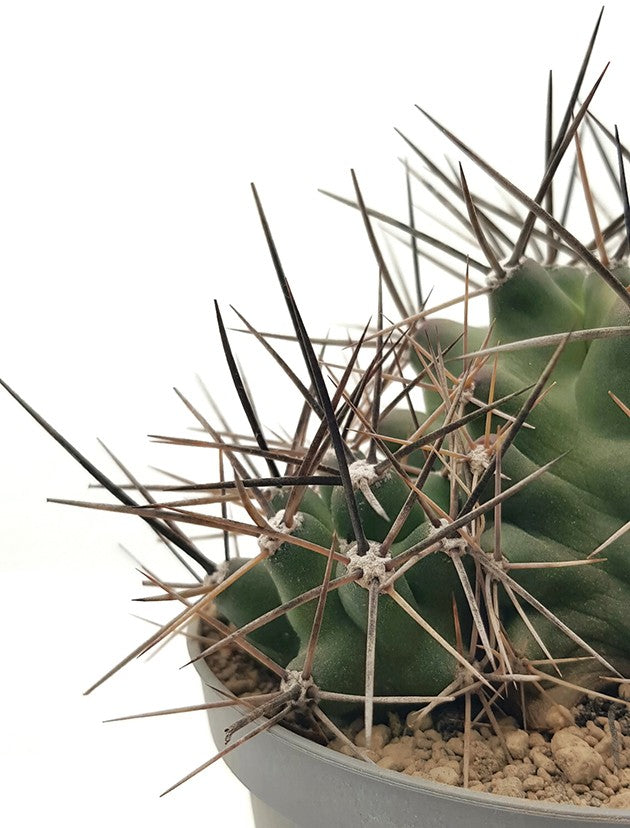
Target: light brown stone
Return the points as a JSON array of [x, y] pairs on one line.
[[517, 742], [579, 762], [508, 787], [444, 774], [620, 800], [381, 736], [533, 783]]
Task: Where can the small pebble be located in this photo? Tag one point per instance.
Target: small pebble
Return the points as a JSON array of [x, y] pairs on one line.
[[533, 783], [620, 800], [445, 775], [517, 742], [508, 787], [381, 735]]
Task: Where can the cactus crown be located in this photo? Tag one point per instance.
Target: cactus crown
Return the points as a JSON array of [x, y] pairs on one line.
[[475, 550]]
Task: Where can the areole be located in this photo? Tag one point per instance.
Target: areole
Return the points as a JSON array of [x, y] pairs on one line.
[[295, 783]]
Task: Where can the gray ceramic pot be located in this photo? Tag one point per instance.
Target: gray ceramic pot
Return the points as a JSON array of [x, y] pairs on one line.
[[295, 783]]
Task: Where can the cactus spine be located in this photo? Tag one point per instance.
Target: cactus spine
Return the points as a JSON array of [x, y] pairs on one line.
[[410, 558]]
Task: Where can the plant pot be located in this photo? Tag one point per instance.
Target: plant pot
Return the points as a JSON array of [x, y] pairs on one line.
[[295, 783]]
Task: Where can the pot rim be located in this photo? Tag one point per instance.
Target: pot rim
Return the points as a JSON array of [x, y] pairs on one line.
[[609, 816]]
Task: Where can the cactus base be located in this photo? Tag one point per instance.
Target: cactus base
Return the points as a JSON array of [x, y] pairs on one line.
[[298, 784]]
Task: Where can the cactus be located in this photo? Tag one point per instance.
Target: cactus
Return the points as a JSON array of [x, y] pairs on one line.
[[479, 547]]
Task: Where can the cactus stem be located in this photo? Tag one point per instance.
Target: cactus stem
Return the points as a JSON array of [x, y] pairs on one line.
[[534, 602], [277, 612], [498, 554], [203, 604], [411, 612], [462, 520], [493, 380], [351, 697], [409, 561], [534, 633], [515, 426]]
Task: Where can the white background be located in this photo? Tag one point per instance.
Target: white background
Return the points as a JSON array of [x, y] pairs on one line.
[[130, 133]]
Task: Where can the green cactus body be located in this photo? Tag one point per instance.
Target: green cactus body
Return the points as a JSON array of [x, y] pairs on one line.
[[561, 516], [491, 579], [585, 498]]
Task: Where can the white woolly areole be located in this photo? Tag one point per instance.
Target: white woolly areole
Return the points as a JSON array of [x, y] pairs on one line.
[[450, 545], [271, 545], [218, 576], [479, 460], [372, 564], [493, 281], [620, 261], [362, 472], [296, 679], [469, 392], [362, 476]]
